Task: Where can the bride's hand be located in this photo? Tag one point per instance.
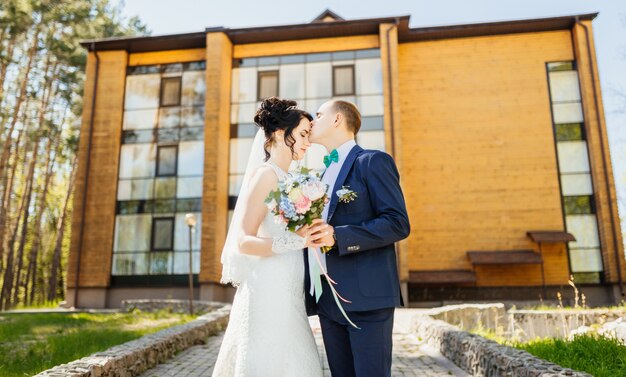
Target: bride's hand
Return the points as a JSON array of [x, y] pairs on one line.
[[305, 231]]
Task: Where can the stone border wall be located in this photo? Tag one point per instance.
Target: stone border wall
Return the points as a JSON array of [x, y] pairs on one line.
[[176, 306], [135, 357], [482, 357]]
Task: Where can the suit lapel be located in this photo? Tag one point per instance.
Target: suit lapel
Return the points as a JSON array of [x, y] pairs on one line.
[[341, 178]]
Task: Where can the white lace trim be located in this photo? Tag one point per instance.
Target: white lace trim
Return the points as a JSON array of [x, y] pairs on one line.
[[286, 242]]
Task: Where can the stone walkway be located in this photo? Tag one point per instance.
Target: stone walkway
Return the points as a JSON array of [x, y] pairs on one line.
[[411, 357]]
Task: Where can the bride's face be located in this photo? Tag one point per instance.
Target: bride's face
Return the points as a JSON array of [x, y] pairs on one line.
[[301, 136]]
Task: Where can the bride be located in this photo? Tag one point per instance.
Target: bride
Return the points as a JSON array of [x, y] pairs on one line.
[[268, 333]]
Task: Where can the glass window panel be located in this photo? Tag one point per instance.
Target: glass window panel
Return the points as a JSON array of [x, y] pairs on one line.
[[170, 91], [142, 92], [587, 277], [373, 53], [371, 140], [193, 133], [369, 77], [292, 81], [194, 88], [343, 55], [561, 66], [138, 136], [573, 157], [181, 262], [143, 69], [343, 80], [193, 116], [140, 119], [195, 66], [248, 62], [567, 112], [162, 233], [165, 188], [161, 206], [246, 81], [585, 260], [160, 263], [585, 229], [189, 187], [350, 99], [371, 105], [372, 123], [181, 237], [576, 184], [129, 189], [167, 134], [234, 184], [319, 79], [189, 205], [172, 68], [292, 59], [268, 84], [132, 232], [169, 117], [167, 160], [564, 86], [578, 205], [239, 154], [323, 57], [243, 113], [269, 60], [569, 131], [244, 130], [312, 105], [190, 158], [129, 207], [130, 264], [137, 160]]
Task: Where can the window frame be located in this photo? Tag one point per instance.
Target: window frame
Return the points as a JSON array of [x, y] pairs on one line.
[[180, 90], [258, 80], [152, 230], [158, 160], [335, 67]]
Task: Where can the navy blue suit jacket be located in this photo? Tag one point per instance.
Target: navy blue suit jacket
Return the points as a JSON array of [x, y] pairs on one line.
[[363, 260]]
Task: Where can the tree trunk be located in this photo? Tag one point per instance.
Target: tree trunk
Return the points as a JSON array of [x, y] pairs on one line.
[[30, 180], [20, 99], [40, 208], [56, 276], [7, 284]]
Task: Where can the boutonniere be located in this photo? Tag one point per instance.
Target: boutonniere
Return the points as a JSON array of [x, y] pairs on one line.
[[346, 195]]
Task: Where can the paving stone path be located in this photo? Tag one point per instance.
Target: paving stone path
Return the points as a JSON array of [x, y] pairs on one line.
[[411, 357]]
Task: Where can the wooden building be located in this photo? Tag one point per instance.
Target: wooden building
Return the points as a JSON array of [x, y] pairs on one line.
[[498, 131]]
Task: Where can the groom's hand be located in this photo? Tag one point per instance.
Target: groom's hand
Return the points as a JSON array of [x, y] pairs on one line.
[[322, 234]]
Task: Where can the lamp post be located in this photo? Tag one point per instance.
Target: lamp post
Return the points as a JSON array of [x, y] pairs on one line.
[[190, 219]]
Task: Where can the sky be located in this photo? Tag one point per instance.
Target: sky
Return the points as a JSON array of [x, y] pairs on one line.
[[180, 16]]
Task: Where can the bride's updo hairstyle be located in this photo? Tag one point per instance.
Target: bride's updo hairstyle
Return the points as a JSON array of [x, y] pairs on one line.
[[279, 114]]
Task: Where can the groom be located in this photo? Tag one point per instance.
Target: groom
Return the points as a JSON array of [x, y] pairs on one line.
[[362, 260]]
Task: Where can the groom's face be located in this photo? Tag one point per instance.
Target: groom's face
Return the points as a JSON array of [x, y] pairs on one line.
[[323, 124]]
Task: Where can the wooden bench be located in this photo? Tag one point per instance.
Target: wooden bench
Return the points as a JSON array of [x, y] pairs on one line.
[[504, 257], [442, 276]]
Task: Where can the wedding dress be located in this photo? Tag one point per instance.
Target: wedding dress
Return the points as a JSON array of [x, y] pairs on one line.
[[268, 334]]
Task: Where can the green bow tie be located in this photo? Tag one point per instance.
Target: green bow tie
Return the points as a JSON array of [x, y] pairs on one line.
[[332, 157]]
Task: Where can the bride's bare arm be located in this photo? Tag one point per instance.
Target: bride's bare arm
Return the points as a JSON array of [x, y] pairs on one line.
[[262, 182]]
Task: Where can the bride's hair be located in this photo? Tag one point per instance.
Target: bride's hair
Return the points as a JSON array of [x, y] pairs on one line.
[[279, 114]]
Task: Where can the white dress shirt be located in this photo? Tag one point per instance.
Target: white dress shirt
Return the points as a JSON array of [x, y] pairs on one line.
[[330, 178]]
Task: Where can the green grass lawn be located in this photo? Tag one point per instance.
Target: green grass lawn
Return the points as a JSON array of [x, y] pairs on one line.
[[31, 343], [596, 355]]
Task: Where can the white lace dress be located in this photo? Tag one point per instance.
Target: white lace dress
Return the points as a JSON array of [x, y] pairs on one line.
[[268, 333]]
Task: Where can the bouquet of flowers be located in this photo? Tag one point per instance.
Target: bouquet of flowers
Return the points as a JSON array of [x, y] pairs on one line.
[[299, 200]]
